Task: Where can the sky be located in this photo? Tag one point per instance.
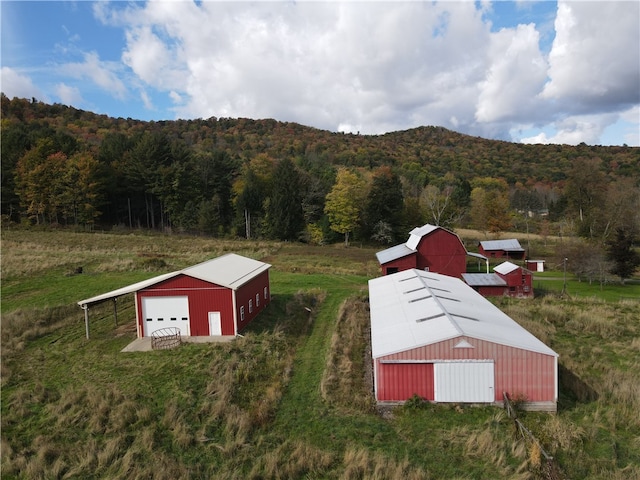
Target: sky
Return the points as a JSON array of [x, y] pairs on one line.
[[523, 71]]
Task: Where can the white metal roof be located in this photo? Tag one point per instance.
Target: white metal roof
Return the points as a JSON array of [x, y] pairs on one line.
[[505, 268], [393, 253], [417, 233], [484, 280], [410, 246], [230, 270], [413, 308], [509, 245]]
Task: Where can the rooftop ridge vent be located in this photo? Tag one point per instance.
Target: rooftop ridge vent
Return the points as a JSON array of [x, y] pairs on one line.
[[440, 289], [408, 278], [432, 317], [465, 317], [413, 300], [415, 290], [448, 298]]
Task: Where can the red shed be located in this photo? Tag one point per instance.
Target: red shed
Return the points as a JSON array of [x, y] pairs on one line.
[[508, 280], [217, 297], [519, 280], [434, 336], [509, 248], [430, 248]]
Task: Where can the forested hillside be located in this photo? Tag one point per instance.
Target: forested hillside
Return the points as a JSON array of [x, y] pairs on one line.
[[270, 179]]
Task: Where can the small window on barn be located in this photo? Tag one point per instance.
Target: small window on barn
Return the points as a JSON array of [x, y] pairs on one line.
[[391, 270], [185, 319], [160, 319], [265, 293], [149, 319], [242, 313], [257, 299], [250, 306], [173, 319]]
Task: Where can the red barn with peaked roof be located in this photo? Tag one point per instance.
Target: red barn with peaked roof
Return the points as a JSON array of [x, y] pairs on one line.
[[430, 248], [433, 336], [508, 280], [219, 297]]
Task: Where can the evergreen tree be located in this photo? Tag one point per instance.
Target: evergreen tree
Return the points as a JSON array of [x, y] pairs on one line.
[[285, 215], [620, 251], [384, 205]]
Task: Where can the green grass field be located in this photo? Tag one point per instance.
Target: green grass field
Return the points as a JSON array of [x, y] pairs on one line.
[[290, 399]]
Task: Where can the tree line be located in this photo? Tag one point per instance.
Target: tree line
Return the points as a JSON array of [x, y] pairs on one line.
[[269, 179]]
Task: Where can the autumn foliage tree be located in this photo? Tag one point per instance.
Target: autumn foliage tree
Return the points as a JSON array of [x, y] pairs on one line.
[[344, 202], [490, 205]]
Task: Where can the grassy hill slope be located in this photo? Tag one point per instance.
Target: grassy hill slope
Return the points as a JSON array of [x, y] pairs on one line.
[[288, 400]]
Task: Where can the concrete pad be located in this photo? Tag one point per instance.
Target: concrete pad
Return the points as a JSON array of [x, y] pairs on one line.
[[139, 345], [144, 344]]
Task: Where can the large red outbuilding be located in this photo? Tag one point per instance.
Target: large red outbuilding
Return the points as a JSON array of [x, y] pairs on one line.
[[219, 297], [434, 336], [430, 248]]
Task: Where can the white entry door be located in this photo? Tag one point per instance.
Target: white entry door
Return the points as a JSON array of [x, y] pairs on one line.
[[163, 312], [464, 382], [215, 324]]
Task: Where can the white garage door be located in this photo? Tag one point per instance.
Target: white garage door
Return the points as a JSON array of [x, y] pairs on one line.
[[164, 312], [464, 382]]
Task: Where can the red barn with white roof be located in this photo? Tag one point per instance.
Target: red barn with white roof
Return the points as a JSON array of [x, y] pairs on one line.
[[219, 297], [434, 336], [431, 248], [509, 280]]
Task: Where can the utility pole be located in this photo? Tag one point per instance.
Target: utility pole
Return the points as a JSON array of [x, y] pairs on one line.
[[564, 286]]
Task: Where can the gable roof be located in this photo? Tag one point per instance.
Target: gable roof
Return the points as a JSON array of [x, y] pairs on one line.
[[393, 253], [230, 270], [505, 268], [411, 245], [412, 308], [509, 245], [484, 280], [417, 233]]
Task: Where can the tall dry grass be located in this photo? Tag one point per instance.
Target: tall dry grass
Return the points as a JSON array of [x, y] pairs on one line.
[[347, 377], [599, 359]]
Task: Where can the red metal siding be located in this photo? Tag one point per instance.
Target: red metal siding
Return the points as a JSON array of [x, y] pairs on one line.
[[400, 381], [442, 252], [248, 292], [492, 291], [520, 283], [204, 297], [400, 264], [517, 255], [517, 371]]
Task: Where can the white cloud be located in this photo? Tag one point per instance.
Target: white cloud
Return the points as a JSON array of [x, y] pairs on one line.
[[68, 95], [576, 129], [148, 104], [100, 73], [595, 58], [516, 75], [377, 67], [15, 84]]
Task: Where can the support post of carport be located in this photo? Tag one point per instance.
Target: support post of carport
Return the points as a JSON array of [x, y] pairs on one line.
[[85, 307]]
